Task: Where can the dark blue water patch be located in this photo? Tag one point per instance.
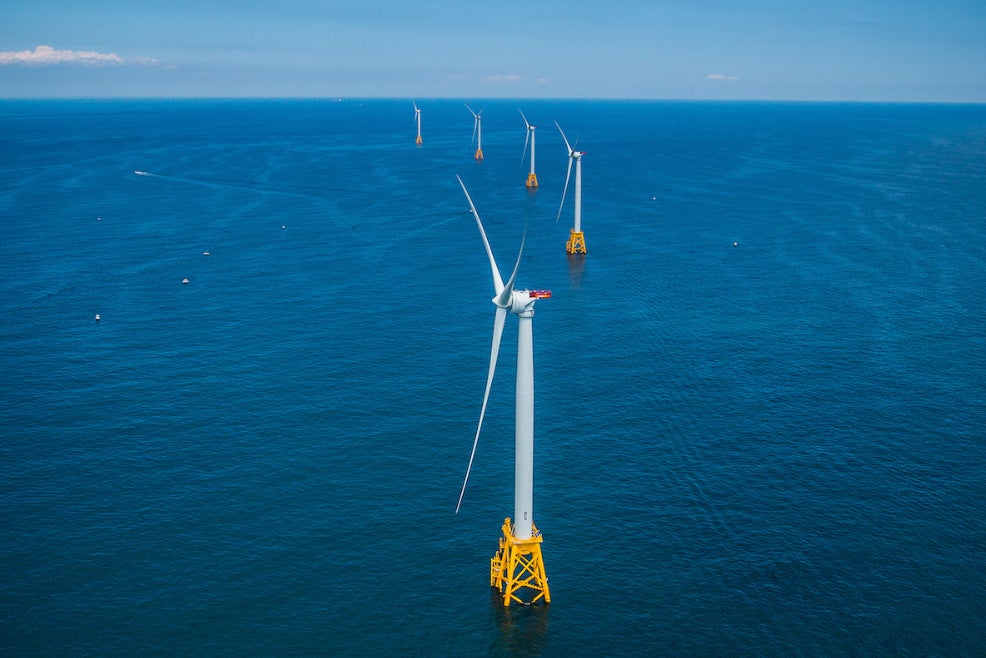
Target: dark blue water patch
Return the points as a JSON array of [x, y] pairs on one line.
[[759, 396]]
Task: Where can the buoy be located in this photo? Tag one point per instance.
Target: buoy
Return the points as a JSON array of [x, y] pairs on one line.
[[97, 317], [184, 280], [736, 244], [282, 226]]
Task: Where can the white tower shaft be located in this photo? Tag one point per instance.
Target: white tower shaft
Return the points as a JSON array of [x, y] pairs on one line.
[[578, 195], [524, 429], [532, 151]]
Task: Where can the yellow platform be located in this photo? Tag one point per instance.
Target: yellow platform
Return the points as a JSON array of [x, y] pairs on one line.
[[576, 243], [517, 568]]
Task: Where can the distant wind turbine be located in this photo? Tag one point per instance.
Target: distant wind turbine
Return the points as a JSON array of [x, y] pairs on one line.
[[532, 179], [477, 131], [518, 566], [417, 120], [576, 239]]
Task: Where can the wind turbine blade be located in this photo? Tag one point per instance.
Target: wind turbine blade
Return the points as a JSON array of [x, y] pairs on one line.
[[475, 124], [565, 138], [497, 279], [498, 320], [526, 123], [527, 138], [565, 190], [503, 299]]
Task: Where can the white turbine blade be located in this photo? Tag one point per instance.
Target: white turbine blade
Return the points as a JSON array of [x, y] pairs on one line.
[[526, 123], [527, 138], [498, 320], [565, 190], [565, 138], [497, 279], [503, 299], [475, 124]]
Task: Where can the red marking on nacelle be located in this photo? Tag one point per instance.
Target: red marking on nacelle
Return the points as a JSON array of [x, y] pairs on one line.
[[539, 294]]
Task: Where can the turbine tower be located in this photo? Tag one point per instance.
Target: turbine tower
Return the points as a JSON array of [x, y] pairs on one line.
[[576, 239], [417, 120], [517, 568], [532, 179], [477, 131]]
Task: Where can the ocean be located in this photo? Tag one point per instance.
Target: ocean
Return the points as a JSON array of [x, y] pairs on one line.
[[759, 397]]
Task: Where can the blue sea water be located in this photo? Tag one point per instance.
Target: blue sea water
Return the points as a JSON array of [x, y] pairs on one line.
[[759, 397]]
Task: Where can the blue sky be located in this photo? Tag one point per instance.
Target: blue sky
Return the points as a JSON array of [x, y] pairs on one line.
[[875, 50]]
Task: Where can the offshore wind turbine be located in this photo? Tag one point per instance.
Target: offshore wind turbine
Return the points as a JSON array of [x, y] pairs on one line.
[[532, 179], [417, 120], [477, 130], [517, 567], [576, 239]]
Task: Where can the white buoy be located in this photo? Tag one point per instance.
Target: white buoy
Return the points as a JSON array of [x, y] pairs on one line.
[[283, 226], [97, 317], [184, 280]]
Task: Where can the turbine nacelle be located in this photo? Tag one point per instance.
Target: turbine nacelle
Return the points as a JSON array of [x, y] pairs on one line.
[[521, 302]]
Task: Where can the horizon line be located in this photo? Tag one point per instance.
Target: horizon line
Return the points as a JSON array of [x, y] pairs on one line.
[[627, 99]]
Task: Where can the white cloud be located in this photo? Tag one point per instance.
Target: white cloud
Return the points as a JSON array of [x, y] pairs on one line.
[[500, 79], [44, 55], [721, 77]]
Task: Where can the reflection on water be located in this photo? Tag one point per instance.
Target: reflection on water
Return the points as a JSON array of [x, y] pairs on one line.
[[576, 265], [521, 630]]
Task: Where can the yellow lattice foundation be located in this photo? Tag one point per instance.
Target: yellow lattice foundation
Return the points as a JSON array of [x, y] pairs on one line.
[[417, 140], [479, 154], [576, 243], [517, 569], [532, 181]]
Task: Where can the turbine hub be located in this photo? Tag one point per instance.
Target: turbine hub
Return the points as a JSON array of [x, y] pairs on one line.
[[522, 301]]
